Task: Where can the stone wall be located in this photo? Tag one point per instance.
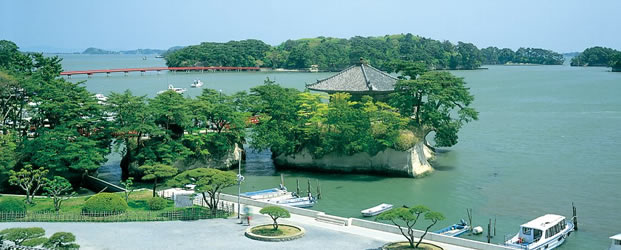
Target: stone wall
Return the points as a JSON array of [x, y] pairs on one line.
[[229, 160], [412, 162]]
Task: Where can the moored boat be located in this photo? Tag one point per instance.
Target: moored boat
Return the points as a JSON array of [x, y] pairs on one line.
[[546, 232], [303, 202], [376, 210], [171, 87], [454, 230], [197, 84], [265, 194], [616, 242]]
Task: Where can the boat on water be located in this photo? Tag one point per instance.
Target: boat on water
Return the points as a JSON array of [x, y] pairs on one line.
[[455, 230], [616, 242], [267, 193], [159, 56], [101, 98], [546, 232], [303, 202], [376, 210], [197, 84], [171, 87]]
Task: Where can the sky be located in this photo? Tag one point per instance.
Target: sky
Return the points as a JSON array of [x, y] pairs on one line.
[[74, 25]]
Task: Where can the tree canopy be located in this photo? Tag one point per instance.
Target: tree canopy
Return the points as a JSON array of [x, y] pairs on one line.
[[333, 54], [209, 182], [275, 212], [597, 56]]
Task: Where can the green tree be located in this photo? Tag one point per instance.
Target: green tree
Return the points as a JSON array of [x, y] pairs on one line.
[[21, 235], [8, 154], [405, 219], [209, 182], [58, 189], [275, 212], [61, 240], [157, 171], [63, 149], [437, 102], [128, 185], [132, 121], [171, 113], [29, 179]]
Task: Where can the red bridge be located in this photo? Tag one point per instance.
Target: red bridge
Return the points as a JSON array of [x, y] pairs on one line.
[[158, 69]]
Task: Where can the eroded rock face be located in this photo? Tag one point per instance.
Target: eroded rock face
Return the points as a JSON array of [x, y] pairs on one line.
[[412, 162]]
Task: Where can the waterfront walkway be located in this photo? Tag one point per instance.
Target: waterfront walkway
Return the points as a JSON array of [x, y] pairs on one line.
[[215, 234]]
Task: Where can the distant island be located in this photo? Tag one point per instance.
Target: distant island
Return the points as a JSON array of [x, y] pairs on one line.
[[97, 51], [599, 56], [335, 54]]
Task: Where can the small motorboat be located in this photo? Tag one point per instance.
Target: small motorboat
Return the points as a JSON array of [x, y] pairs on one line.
[[546, 232], [616, 242], [376, 210], [197, 84], [101, 99], [171, 87], [267, 193], [303, 202], [455, 230]]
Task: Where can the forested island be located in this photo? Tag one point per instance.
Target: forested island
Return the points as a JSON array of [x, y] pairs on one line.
[[599, 56], [334, 54], [48, 123]]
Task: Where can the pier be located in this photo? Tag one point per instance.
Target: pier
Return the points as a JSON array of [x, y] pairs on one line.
[[157, 69]]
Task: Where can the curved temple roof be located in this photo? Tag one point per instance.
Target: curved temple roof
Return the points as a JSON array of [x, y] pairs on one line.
[[357, 78]]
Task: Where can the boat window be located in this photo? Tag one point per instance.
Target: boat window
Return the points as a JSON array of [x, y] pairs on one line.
[[526, 231], [537, 235], [563, 224], [617, 242], [548, 233]]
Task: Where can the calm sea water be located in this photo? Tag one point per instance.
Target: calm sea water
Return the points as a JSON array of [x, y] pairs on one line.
[[547, 136]]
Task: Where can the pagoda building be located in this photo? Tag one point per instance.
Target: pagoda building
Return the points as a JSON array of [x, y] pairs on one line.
[[358, 80]]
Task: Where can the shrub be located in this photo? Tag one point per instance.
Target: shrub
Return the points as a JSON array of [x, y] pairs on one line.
[[405, 140], [105, 203], [275, 212], [11, 204], [157, 203]]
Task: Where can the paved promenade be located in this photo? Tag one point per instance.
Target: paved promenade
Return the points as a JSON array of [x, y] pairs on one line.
[[214, 234]]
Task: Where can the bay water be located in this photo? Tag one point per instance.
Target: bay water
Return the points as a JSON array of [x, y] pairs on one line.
[[546, 136]]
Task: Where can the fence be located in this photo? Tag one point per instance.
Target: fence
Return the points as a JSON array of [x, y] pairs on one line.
[[192, 213]]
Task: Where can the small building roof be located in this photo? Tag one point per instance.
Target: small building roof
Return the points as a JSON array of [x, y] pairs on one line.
[[616, 237], [361, 78], [544, 222]]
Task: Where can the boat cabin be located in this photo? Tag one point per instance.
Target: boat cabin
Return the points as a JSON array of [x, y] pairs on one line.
[[616, 242], [544, 227]]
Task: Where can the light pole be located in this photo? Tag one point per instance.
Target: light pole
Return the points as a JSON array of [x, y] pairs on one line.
[[240, 178]]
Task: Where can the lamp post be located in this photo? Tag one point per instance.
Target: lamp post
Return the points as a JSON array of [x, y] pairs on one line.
[[240, 178]]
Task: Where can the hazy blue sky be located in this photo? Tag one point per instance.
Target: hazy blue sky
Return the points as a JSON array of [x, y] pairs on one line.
[[563, 26]]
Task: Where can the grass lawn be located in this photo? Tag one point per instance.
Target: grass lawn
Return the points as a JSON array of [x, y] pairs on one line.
[[268, 230], [406, 245], [137, 203]]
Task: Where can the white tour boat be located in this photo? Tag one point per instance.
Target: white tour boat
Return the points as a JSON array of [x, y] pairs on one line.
[[171, 87], [546, 232], [616, 242], [101, 98], [197, 84], [376, 210]]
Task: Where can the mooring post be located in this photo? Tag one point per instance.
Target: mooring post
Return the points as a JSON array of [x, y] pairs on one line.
[[469, 212], [575, 217], [297, 186], [318, 190], [489, 227], [308, 193], [494, 226]]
